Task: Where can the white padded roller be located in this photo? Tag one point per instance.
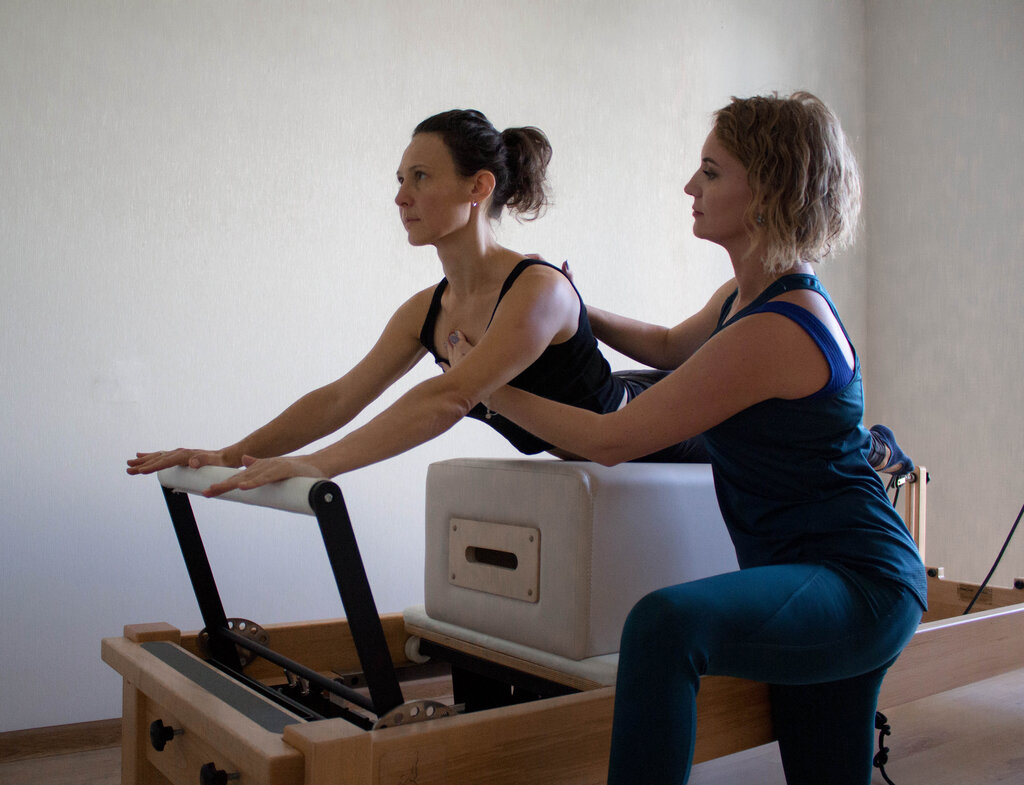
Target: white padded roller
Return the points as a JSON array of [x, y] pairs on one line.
[[600, 669], [291, 495]]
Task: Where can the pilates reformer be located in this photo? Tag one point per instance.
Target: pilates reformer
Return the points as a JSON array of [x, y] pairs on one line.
[[321, 703]]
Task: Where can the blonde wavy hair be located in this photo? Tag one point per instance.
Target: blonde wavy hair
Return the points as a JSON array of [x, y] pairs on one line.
[[801, 171]]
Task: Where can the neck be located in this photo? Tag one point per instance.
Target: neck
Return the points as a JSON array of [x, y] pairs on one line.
[[752, 278], [472, 259]]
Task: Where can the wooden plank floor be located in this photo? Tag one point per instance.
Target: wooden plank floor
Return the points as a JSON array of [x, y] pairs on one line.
[[973, 735]]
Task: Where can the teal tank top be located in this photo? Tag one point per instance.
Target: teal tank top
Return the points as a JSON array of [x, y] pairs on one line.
[[792, 476]]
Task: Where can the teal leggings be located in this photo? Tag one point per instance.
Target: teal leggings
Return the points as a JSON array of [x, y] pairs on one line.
[[823, 639]]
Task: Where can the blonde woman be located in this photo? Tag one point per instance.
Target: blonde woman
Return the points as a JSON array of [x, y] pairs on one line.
[[831, 586]]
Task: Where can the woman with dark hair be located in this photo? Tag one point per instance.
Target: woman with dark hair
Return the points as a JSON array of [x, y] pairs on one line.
[[830, 586], [457, 177]]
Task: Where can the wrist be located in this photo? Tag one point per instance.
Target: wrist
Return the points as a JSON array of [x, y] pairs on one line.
[[232, 456], [497, 400], [322, 462]]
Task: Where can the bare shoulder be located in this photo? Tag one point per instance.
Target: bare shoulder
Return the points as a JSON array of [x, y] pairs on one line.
[[771, 355], [721, 294], [408, 320], [706, 319], [813, 302], [542, 284], [418, 304], [546, 275], [542, 301]]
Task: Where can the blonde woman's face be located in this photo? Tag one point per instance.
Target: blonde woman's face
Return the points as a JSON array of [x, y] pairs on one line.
[[721, 196]]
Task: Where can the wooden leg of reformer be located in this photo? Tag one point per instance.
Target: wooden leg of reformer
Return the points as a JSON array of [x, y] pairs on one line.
[[915, 486], [135, 768], [335, 751]]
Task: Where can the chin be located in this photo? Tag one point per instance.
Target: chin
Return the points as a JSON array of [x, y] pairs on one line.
[[413, 240]]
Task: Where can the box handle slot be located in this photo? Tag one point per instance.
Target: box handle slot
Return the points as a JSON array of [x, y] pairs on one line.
[[503, 560], [496, 558]]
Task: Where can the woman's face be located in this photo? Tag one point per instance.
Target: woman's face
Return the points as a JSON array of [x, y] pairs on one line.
[[433, 199], [721, 195]]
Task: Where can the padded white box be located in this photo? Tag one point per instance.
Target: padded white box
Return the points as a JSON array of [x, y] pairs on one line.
[[554, 554]]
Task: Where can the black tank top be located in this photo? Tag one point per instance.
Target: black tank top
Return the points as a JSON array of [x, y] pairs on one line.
[[572, 372]]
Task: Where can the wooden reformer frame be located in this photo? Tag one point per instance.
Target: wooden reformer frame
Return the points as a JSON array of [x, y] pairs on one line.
[[193, 707]]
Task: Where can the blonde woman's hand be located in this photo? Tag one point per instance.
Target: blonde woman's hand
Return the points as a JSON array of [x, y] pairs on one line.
[[458, 348], [565, 265], [568, 273]]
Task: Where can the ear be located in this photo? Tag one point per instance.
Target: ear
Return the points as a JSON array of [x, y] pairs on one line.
[[483, 185]]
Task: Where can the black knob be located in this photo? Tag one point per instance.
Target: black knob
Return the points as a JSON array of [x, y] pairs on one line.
[[160, 734], [209, 774]]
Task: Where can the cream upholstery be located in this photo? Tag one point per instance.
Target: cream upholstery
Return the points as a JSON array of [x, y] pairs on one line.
[[552, 555]]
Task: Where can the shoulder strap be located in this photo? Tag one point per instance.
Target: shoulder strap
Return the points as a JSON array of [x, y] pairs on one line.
[[786, 283], [514, 275], [840, 374], [427, 331]]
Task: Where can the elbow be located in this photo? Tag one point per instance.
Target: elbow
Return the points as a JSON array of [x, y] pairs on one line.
[[610, 457], [610, 453], [615, 443], [445, 414], [453, 404], [459, 401], [461, 407]]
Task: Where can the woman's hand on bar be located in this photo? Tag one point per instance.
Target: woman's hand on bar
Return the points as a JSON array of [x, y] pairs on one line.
[[149, 462], [263, 471]]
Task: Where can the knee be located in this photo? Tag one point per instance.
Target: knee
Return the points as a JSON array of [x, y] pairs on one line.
[[659, 620]]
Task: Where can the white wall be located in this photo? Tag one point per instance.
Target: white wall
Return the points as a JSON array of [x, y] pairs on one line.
[[196, 225], [945, 242]]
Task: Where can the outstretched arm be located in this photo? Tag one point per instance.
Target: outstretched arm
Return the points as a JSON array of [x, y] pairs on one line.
[[540, 309], [320, 412], [760, 357]]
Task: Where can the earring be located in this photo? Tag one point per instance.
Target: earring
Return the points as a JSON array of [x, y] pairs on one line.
[[760, 219], [474, 204]]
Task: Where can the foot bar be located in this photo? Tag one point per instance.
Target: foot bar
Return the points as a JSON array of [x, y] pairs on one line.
[[310, 496], [291, 495]]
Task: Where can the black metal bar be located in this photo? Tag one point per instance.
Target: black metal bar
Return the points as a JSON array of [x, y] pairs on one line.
[[307, 712], [200, 573], [331, 685], [360, 609]]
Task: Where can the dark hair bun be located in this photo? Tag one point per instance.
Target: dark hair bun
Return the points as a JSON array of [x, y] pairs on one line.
[[517, 157]]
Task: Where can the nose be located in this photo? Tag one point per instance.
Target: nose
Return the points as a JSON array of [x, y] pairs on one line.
[[402, 197], [691, 188]]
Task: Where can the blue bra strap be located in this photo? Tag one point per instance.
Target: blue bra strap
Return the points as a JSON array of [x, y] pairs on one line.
[[840, 374]]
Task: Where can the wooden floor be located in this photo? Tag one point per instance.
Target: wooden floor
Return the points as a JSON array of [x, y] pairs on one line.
[[970, 736], [973, 735]]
